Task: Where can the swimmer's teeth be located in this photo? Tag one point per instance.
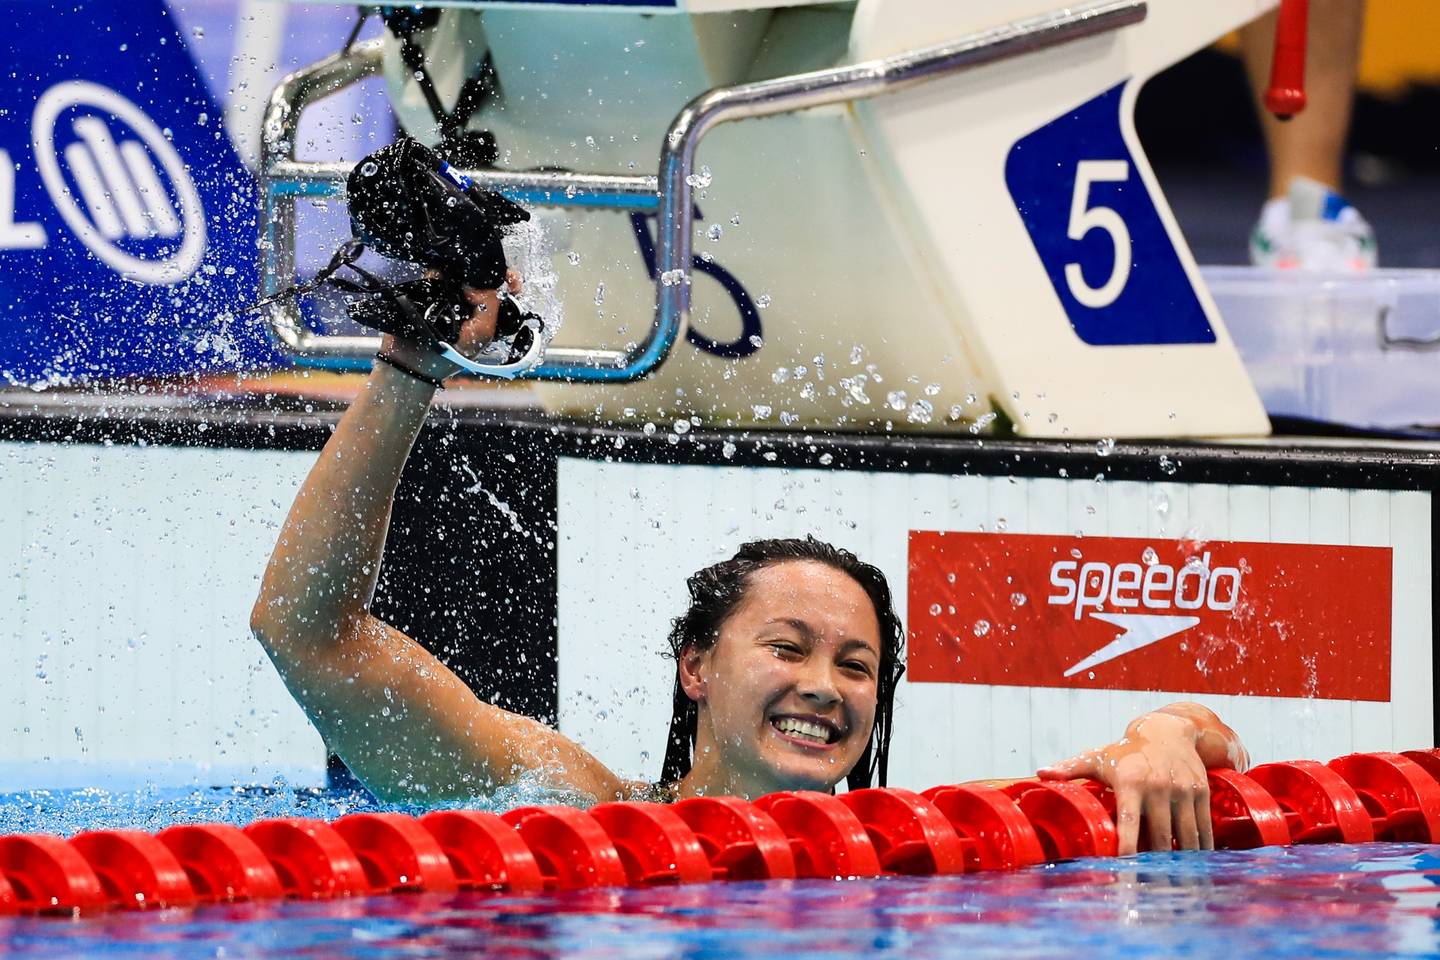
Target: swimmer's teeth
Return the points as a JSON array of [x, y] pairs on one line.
[[803, 728]]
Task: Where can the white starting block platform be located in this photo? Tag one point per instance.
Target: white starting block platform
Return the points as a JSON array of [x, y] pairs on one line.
[[981, 237], [904, 214]]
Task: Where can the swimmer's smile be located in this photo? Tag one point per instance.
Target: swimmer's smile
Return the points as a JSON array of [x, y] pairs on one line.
[[815, 733]]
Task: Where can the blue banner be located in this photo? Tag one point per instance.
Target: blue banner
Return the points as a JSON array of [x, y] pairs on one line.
[[127, 221]]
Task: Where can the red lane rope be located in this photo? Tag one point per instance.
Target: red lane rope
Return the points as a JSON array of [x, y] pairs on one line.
[[864, 833]]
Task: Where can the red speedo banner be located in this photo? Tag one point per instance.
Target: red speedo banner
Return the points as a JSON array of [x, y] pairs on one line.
[[1136, 613]]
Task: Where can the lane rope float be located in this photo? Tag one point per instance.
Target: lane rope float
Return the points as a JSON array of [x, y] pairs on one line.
[[805, 834]]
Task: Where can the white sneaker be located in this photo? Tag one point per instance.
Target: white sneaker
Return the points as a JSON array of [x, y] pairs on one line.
[[1312, 228]]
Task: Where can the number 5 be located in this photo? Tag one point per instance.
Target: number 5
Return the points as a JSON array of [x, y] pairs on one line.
[[1084, 218]]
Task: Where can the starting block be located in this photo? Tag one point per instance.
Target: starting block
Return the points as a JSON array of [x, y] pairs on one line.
[[908, 211]]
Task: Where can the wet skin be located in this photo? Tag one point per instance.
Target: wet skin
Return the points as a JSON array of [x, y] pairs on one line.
[[804, 645], [802, 651]]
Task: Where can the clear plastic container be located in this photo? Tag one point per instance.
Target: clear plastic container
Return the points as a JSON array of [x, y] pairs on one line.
[[1358, 349]]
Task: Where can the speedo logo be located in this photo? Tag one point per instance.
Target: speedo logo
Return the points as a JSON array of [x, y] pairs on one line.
[[1150, 613], [1152, 586]]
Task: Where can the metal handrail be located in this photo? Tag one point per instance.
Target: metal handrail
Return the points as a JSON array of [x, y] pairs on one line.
[[284, 179]]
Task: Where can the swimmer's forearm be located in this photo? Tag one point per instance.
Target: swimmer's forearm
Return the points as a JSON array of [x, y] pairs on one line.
[[327, 559], [1217, 744]]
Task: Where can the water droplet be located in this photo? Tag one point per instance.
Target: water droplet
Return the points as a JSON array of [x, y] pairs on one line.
[[735, 220], [762, 411], [1018, 599], [982, 627], [198, 33], [368, 169], [895, 399], [700, 180], [600, 293], [762, 301], [573, 257], [727, 450], [934, 609], [931, 389], [1150, 557], [1105, 447], [780, 375], [682, 426], [671, 277], [648, 429], [715, 232]]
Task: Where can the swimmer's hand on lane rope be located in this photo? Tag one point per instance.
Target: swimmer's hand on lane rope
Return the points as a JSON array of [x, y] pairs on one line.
[[1159, 771], [476, 333]]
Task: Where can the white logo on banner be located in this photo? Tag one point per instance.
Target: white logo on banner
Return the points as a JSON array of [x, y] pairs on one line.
[[15, 236], [118, 183]]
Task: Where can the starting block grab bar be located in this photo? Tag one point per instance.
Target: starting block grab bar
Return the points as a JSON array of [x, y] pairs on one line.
[[284, 180]]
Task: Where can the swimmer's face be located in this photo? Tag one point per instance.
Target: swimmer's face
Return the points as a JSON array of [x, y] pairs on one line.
[[787, 694]]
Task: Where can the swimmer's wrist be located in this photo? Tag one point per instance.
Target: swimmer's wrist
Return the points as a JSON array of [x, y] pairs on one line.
[[1164, 722], [417, 360], [397, 363]]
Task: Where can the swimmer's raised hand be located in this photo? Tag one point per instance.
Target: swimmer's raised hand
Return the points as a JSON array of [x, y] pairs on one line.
[[474, 333]]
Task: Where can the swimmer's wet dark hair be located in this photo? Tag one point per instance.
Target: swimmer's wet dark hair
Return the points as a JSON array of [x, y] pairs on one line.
[[717, 591]]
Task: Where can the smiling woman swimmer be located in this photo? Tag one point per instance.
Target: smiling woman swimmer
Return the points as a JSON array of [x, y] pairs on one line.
[[786, 661]]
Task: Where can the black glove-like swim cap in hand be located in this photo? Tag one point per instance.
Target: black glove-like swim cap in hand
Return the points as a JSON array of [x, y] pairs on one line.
[[408, 204]]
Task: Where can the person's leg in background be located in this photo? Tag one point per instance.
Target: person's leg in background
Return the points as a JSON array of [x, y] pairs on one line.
[[1306, 223]]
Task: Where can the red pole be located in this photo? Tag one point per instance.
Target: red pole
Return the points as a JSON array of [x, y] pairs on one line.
[[1285, 96]]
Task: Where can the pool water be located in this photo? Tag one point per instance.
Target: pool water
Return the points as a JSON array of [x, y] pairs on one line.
[[1333, 901]]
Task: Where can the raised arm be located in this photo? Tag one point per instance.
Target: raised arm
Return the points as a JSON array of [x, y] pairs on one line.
[[402, 721], [1158, 771]]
